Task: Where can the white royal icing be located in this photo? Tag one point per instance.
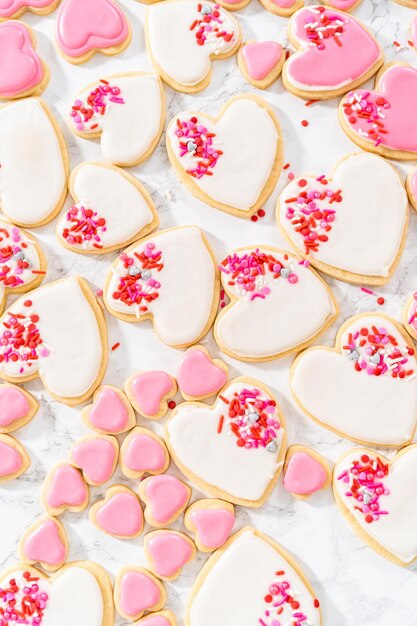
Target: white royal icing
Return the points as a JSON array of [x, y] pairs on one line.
[[234, 589], [246, 134], [373, 409], [32, 173], [11, 237], [368, 223]]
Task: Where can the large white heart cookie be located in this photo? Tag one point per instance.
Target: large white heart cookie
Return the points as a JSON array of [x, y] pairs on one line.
[[234, 449], [214, 157], [79, 593], [183, 36], [270, 291], [252, 580], [169, 277], [111, 209], [328, 220], [365, 388], [34, 163], [377, 497], [57, 332]]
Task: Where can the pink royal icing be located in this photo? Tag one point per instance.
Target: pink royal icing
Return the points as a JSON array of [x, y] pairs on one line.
[[149, 388], [13, 405], [11, 7], [284, 4], [304, 475], [144, 453], [412, 313], [109, 413], [138, 593], [261, 58], [85, 26], [155, 620], [20, 67], [213, 526], [169, 552], [10, 460], [167, 497], [44, 544], [96, 458], [67, 487], [121, 515], [198, 375], [343, 5]]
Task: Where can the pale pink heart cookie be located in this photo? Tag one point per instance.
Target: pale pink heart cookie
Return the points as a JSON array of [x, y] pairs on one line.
[[326, 66], [284, 8], [119, 514], [161, 618], [342, 5], [410, 315], [12, 9], [149, 392], [17, 408], [305, 471], [166, 497], [137, 591], [380, 120], [44, 542], [14, 459], [96, 456], [143, 452], [199, 376], [261, 62], [167, 552], [110, 413], [84, 28], [64, 489], [211, 521]]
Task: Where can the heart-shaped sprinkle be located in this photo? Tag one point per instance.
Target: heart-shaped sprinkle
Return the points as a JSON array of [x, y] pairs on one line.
[[199, 376], [143, 451], [64, 488], [261, 58], [21, 69], [119, 514], [13, 458], [167, 552], [212, 521], [137, 591], [110, 412], [166, 498], [149, 392], [305, 471], [96, 456], [45, 542]]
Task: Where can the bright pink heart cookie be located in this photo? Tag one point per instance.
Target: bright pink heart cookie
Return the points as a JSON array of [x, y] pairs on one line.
[[342, 5], [96, 456], [110, 413], [212, 522], [14, 460], [284, 8], [119, 514], [143, 452], [165, 497], [199, 376], [15, 8], [167, 552], [162, 618], [44, 542], [149, 392], [64, 488], [261, 62], [136, 591], [305, 471], [17, 407]]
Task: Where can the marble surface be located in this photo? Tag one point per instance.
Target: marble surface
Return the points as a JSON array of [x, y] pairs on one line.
[[354, 584]]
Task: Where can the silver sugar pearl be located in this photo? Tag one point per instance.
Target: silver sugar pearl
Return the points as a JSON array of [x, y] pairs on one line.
[[134, 271], [253, 417]]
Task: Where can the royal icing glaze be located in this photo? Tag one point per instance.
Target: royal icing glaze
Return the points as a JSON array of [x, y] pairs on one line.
[[265, 318], [142, 451], [205, 152], [165, 496], [168, 551], [44, 544], [198, 376], [357, 388], [171, 277], [235, 447], [158, 620], [137, 591], [65, 487], [213, 526], [319, 215], [148, 389], [411, 315], [21, 69], [304, 474], [261, 58], [14, 406], [30, 151], [126, 110], [13, 8], [109, 412], [96, 456], [120, 514], [257, 584], [343, 5], [11, 459]]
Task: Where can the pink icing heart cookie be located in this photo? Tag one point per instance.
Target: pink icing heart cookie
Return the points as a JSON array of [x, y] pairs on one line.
[[137, 591], [96, 456], [84, 28], [165, 497], [342, 5], [357, 387], [379, 120], [44, 542], [167, 552], [143, 452], [12, 9], [14, 459], [110, 413], [64, 489], [119, 513], [265, 319], [17, 408], [305, 472], [261, 62], [22, 72], [284, 8], [233, 450], [161, 618], [199, 376], [326, 66], [410, 315], [211, 521], [149, 392], [364, 190]]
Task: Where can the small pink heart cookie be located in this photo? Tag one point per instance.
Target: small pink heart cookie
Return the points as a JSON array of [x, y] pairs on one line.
[[64, 489], [342, 5], [166, 497], [14, 459], [410, 315], [212, 521], [143, 452], [284, 8], [44, 542], [261, 62], [17, 407], [12, 9], [167, 551], [96, 456], [110, 413], [119, 513], [161, 618], [149, 392], [305, 472], [137, 591], [84, 28], [199, 376]]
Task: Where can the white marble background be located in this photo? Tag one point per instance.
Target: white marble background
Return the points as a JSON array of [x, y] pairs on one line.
[[354, 584]]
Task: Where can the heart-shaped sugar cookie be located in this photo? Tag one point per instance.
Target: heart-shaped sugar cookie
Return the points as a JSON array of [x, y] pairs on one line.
[[364, 389], [110, 413], [199, 376], [149, 392], [17, 408], [410, 315], [234, 449], [143, 452], [119, 513], [166, 497], [319, 215], [376, 496], [96, 456], [266, 318], [167, 552], [211, 521], [14, 459], [261, 62], [137, 591], [213, 157], [305, 472], [12, 9], [342, 5], [44, 542], [64, 489], [161, 618]]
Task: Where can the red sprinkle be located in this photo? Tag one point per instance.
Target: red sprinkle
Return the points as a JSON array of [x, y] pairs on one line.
[[116, 345]]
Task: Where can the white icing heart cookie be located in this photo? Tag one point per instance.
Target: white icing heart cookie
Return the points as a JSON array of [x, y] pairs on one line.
[[127, 113], [319, 215], [376, 496], [58, 333], [364, 389], [214, 157], [32, 149], [234, 449], [252, 580], [266, 316], [183, 36], [111, 209], [170, 277]]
